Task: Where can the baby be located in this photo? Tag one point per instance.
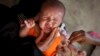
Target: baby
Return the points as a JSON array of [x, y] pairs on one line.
[[47, 31]]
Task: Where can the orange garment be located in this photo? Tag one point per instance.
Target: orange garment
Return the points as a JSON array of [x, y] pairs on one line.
[[52, 48], [51, 51], [32, 32]]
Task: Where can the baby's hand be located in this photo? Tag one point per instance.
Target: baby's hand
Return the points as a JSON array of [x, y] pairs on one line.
[[29, 23]]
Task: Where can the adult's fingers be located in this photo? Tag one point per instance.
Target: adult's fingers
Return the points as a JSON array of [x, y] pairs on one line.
[[50, 37], [54, 32], [40, 37], [77, 36]]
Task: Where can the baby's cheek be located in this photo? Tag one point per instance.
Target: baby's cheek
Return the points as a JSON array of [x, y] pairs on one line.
[[54, 26], [42, 24]]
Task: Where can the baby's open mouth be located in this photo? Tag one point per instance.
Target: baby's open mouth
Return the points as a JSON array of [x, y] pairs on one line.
[[47, 28]]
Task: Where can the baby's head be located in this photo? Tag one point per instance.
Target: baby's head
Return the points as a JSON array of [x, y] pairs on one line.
[[51, 15]]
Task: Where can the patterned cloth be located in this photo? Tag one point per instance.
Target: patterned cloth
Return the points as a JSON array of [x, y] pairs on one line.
[[63, 31]]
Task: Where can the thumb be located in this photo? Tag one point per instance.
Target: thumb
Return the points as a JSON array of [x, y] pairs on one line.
[[41, 34], [54, 32], [40, 37]]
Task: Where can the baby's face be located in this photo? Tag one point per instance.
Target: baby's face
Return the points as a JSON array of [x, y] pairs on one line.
[[50, 18]]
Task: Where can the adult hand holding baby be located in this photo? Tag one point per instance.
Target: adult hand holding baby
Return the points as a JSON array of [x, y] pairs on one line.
[[48, 41]]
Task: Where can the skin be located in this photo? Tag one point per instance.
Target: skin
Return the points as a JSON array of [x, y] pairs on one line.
[[28, 24], [50, 20], [67, 50], [80, 37]]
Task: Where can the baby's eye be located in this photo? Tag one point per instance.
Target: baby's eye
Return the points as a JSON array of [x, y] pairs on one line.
[[44, 18], [54, 22], [55, 19]]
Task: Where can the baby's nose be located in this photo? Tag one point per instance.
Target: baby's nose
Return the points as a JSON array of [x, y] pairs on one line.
[[50, 23]]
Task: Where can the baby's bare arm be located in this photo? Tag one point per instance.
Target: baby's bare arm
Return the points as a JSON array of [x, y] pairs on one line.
[[28, 25]]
